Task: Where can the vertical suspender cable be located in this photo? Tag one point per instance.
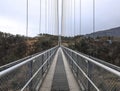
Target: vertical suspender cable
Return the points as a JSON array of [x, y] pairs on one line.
[[64, 2], [62, 27], [61, 21], [57, 18], [54, 16], [66, 9], [64, 16], [27, 18], [74, 19], [68, 30], [71, 18], [93, 19], [55, 24], [51, 22], [94, 54], [72, 15], [80, 17], [58, 22], [45, 17], [55, 31], [40, 19]]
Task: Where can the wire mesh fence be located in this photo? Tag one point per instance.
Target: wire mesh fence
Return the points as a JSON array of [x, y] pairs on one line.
[[27, 75], [93, 75], [16, 62]]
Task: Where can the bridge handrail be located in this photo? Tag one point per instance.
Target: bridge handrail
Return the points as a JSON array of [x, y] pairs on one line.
[[18, 61], [6, 71], [12, 63], [95, 62], [83, 72], [106, 63], [102, 61], [92, 75], [36, 73]]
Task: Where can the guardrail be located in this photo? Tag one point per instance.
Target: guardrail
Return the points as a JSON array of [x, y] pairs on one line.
[[16, 62], [92, 75], [27, 75], [102, 61]]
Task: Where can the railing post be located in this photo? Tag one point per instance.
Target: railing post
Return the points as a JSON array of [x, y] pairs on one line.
[[30, 74], [89, 70], [47, 58], [50, 57], [72, 61], [50, 54], [67, 57], [42, 64], [77, 67]]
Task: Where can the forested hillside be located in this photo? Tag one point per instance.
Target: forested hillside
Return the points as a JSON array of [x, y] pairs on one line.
[[105, 48], [14, 47]]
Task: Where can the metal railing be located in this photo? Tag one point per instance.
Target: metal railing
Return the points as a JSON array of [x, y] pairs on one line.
[[102, 61], [16, 62], [26, 75], [93, 75]]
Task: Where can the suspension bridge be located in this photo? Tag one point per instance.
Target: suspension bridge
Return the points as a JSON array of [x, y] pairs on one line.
[[59, 68]]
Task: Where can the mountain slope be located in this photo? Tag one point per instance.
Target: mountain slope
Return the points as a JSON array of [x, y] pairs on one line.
[[115, 32]]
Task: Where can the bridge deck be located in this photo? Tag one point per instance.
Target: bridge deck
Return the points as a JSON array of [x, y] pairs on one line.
[[59, 77]]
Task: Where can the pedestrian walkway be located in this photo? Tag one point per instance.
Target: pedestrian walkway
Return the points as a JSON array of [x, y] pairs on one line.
[[59, 77], [60, 82]]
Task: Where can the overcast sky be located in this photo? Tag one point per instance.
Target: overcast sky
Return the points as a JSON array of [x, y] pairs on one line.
[[13, 16]]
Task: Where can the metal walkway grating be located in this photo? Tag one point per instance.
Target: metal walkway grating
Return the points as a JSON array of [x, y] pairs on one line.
[[60, 82]]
